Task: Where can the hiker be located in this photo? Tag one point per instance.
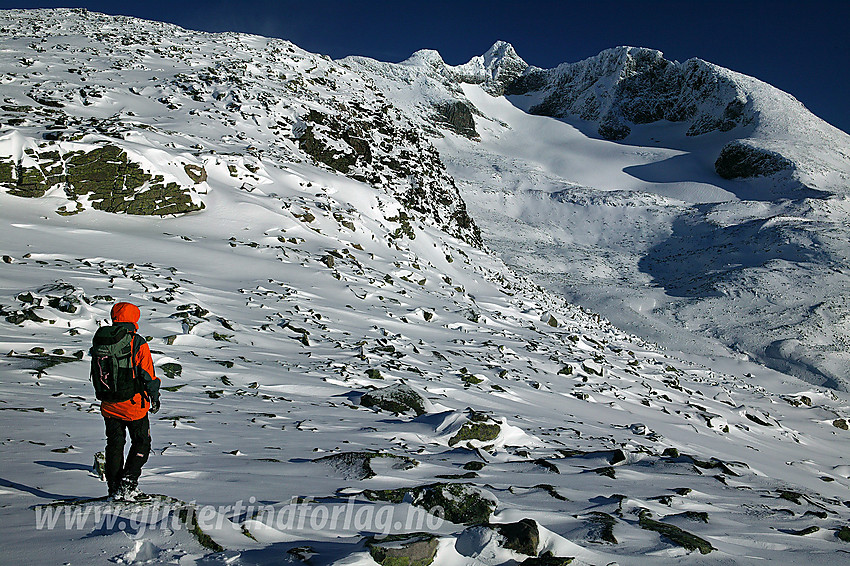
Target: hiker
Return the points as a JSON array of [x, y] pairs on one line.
[[124, 381]]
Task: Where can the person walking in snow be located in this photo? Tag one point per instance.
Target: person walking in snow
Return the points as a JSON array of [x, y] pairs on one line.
[[125, 383]]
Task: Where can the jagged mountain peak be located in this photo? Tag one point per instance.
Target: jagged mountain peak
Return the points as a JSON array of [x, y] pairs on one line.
[[500, 51], [495, 69]]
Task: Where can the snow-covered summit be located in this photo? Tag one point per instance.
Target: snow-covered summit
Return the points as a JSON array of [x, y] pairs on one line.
[[429, 58], [496, 69], [625, 87]]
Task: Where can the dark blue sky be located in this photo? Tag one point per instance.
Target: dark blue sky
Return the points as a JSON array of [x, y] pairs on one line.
[[800, 47]]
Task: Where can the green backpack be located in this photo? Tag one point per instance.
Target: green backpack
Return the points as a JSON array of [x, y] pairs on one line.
[[112, 364]]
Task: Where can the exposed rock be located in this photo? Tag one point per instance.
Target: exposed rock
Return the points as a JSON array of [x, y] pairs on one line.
[[742, 159], [171, 369], [397, 398], [417, 549], [195, 172], [676, 535], [99, 466], [458, 117], [547, 559], [356, 465], [630, 85], [477, 428], [522, 536], [105, 175], [602, 527], [459, 503]]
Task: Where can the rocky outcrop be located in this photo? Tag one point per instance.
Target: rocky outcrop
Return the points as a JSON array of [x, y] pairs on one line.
[[105, 176], [265, 102], [417, 549], [458, 117], [399, 398], [459, 503], [496, 70], [629, 85], [743, 159]]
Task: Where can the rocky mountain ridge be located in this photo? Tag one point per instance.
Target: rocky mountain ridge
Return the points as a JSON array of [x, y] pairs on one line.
[[297, 106], [624, 87]]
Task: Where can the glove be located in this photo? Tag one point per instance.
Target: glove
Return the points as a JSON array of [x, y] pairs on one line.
[[155, 406]]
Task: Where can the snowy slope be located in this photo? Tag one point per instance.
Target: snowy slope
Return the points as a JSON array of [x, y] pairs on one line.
[[643, 229], [278, 313]]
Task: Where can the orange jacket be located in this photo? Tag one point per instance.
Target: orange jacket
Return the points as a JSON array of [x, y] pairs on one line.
[[137, 407]]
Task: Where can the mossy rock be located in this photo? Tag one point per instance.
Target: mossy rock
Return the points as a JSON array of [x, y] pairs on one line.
[[398, 398], [40, 361], [840, 423], [522, 536], [674, 534], [468, 379], [482, 431], [843, 534], [195, 172], [21, 316], [104, 175], [315, 147], [458, 503], [416, 549], [189, 518]]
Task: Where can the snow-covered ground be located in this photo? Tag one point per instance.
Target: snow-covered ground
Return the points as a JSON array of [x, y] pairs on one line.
[[278, 313], [652, 238]]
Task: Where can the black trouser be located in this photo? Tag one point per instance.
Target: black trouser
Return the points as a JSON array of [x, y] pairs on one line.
[[140, 447]]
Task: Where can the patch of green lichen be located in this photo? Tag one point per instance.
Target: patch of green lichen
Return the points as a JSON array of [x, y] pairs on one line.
[[476, 431], [416, 549], [105, 175], [189, 518]]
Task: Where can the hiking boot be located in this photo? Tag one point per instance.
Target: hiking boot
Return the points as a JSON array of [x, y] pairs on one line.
[[129, 490]]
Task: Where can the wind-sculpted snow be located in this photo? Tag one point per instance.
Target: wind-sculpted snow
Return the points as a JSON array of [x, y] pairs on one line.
[[336, 367]]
